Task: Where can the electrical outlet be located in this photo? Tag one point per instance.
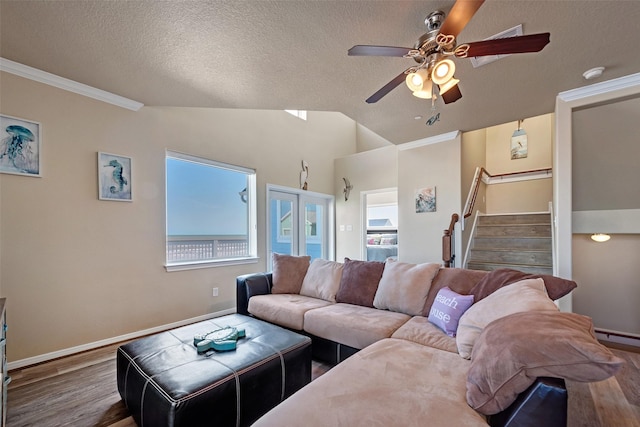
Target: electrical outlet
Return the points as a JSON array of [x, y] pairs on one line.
[[215, 292]]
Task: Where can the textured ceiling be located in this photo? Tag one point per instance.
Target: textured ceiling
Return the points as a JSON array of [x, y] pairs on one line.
[[291, 54]]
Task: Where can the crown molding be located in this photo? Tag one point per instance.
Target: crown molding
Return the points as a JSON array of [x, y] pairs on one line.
[[68, 85], [428, 141], [601, 88]]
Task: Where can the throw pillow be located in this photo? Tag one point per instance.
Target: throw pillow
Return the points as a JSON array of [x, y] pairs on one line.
[[447, 309], [526, 295], [288, 273], [322, 280], [459, 280], [557, 287], [514, 350], [359, 282], [404, 287]]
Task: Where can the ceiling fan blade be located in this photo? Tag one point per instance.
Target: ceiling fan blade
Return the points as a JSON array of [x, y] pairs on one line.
[[519, 44], [367, 50], [387, 88], [459, 16]]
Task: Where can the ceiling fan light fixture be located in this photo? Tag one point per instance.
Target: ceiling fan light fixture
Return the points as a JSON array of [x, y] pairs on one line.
[[443, 71], [448, 85], [451, 92], [416, 80], [426, 92]]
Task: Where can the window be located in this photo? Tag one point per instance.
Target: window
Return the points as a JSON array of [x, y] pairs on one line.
[[210, 212], [301, 114]]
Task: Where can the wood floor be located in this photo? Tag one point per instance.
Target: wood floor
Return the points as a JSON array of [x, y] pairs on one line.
[[80, 390]]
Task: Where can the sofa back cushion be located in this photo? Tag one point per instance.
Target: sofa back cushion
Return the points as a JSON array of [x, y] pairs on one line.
[[359, 282], [288, 273], [322, 279], [538, 344], [526, 295], [556, 286], [459, 280], [404, 287], [447, 310]]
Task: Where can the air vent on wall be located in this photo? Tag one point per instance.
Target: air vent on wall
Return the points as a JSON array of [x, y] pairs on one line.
[[479, 61]]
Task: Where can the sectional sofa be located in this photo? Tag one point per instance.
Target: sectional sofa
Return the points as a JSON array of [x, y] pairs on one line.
[[417, 344]]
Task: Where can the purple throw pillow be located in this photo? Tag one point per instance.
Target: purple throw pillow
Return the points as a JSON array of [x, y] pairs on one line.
[[447, 309]]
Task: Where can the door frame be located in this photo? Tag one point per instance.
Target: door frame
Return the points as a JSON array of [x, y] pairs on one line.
[[303, 196]]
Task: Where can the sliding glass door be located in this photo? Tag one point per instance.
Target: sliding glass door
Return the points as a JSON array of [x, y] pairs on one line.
[[299, 223]]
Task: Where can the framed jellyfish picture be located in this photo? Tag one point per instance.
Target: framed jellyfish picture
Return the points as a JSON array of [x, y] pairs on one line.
[[114, 177], [19, 146]]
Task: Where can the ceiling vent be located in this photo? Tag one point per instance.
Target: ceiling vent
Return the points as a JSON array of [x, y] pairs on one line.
[[479, 61]]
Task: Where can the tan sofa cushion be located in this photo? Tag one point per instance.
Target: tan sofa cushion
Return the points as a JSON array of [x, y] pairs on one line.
[[419, 330], [288, 272], [353, 325], [514, 350], [391, 383], [404, 287], [284, 309], [526, 295], [322, 279]]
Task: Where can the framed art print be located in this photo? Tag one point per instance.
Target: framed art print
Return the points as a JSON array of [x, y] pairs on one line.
[[114, 177], [426, 199], [19, 146]]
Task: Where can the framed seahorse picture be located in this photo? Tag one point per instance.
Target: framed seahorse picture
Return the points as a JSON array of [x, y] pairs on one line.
[[114, 177], [19, 146]]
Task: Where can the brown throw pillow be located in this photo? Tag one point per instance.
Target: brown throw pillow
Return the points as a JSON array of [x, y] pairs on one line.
[[514, 350], [557, 287], [359, 282], [288, 273]]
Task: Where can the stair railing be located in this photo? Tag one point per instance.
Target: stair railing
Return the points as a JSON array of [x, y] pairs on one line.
[[448, 252], [482, 175]]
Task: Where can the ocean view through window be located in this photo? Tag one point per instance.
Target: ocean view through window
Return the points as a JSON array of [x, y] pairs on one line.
[[210, 212]]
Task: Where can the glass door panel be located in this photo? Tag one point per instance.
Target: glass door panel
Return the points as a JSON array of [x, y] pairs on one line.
[[314, 234]]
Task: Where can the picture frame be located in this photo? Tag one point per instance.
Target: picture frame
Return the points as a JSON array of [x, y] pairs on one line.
[[519, 146], [20, 146], [114, 177], [425, 199]]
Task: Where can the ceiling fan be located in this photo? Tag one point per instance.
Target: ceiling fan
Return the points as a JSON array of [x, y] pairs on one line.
[[433, 51]]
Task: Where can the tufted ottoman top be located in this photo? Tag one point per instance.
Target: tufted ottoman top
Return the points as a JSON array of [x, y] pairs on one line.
[[162, 377]]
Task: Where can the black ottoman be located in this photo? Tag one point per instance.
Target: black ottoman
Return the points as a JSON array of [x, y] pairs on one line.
[[165, 382]]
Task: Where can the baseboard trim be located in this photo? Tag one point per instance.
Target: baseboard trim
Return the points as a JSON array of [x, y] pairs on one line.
[[18, 364]]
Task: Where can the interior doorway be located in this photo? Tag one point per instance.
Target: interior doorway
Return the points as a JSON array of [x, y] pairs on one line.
[[380, 220]]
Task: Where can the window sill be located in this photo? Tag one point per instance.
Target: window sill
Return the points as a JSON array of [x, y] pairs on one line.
[[196, 265]]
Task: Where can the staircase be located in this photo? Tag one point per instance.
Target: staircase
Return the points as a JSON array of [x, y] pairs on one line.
[[518, 241]]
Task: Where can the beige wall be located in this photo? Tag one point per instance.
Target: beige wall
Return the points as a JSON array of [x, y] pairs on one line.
[[607, 276], [420, 234], [367, 171], [605, 172], [77, 270], [368, 140], [526, 196], [606, 198]]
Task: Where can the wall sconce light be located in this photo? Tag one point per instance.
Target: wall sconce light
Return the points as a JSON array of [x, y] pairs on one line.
[[347, 189], [600, 237]]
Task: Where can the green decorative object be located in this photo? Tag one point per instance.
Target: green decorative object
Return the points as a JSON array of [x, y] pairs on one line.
[[224, 339]]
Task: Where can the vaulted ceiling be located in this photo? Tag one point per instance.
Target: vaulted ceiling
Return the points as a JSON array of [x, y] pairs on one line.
[[292, 54]]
